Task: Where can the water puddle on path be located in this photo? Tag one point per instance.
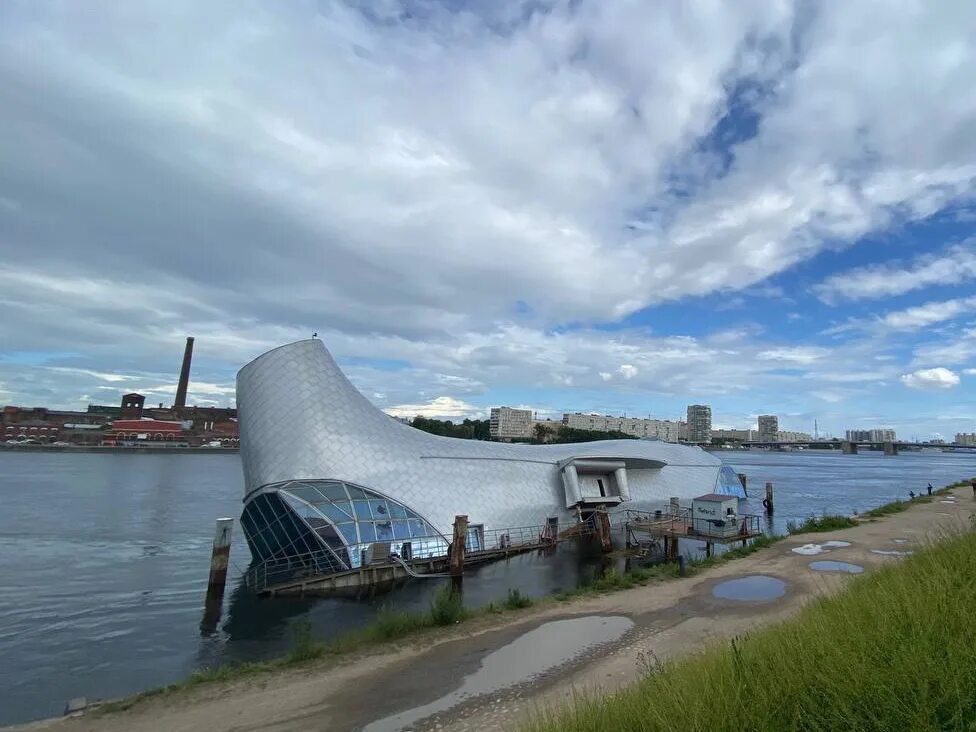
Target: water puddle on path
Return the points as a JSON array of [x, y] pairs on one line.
[[828, 566], [547, 647], [755, 588], [892, 552], [812, 549], [900, 541]]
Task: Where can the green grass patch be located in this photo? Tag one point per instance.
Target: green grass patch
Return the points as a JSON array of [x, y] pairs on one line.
[[447, 608], [821, 523], [888, 509], [516, 600], [895, 651]]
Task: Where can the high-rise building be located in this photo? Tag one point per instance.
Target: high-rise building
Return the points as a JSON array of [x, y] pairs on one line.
[[790, 436], [510, 424], [768, 428], [874, 435], [967, 439], [699, 424], [661, 429]]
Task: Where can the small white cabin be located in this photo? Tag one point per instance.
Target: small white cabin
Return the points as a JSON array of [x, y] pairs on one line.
[[715, 514]]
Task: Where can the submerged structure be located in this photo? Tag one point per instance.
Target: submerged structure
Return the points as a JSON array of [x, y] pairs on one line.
[[329, 475]]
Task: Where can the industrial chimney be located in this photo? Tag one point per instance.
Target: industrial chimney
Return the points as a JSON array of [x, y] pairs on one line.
[[184, 375]]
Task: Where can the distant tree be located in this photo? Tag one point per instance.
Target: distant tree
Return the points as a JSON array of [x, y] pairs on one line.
[[469, 429], [571, 434], [541, 433]]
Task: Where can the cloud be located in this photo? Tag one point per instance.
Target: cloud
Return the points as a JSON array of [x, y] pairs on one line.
[[475, 189], [969, 372], [627, 371], [956, 264], [930, 313], [442, 407], [937, 378], [795, 354]]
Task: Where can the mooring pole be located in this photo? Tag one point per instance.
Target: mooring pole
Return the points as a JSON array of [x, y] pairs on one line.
[[675, 505], [768, 502], [219, 559], [742, 479], [457, 545], [603, 531]]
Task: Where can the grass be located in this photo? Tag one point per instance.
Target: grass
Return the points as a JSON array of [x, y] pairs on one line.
[[516, 600], [895, 651], [821, 523]]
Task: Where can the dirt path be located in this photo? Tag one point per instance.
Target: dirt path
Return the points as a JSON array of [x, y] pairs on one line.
[[669, 619]]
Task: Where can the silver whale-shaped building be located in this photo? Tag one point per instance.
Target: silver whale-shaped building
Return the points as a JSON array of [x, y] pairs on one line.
[[328, 473]]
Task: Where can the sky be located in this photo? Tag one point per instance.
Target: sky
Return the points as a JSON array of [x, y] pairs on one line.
[[619, 207]]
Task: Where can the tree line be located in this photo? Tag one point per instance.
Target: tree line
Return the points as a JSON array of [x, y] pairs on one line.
[[479, 429]]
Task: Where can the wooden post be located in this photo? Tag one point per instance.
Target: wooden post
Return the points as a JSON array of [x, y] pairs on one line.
[[742, 479], [457, 545], [219, 559], [708, 549], [675, 505], [768, 502], [603, 531]]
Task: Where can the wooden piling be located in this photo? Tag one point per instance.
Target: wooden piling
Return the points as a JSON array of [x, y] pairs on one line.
[[768, 502], [457, 545], [603, 531], [219, 560], [742, 479]]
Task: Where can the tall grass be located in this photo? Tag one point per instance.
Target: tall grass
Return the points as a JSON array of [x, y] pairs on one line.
[[821, 523], [895, 651]]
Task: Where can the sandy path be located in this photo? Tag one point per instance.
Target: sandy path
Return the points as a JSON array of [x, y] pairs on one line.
[[670, 619]]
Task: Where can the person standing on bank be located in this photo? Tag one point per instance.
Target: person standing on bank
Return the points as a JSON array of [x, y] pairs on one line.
[[930, 489]]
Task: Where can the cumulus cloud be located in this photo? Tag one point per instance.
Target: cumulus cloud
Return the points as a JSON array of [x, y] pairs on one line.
[[442, 407], [450, 188], [628, 371], [937, 378], [957, 264]]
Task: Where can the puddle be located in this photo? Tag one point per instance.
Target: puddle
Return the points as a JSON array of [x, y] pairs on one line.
[[892, 552], [827, 566], [946, 501], [900, 541], [808, 549], [548, 646], [755, 588]]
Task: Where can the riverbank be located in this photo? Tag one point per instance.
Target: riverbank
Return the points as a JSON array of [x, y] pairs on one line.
[[108, 449], [894, 651], [669, 619]]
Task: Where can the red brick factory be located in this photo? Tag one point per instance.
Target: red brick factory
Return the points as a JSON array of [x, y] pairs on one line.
[[130, 424]]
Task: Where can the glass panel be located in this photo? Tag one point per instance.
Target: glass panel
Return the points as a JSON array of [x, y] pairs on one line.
[[349, 532], [380, 511], [306, 493], [396, 510], [338, 512], [332, 491], [401, 529], [355, 492], [367, 532], [362, 510], [384, 531]]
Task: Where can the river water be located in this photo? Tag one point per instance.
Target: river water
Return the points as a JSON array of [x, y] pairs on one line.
[[104, 561]]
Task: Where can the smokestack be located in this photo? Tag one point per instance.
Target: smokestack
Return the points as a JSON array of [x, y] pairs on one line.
[[184, 375]]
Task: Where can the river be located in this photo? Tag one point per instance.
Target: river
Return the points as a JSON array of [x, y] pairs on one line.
[[104, 561]]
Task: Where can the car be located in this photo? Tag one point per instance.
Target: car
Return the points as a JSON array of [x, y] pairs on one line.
[[60, 443]]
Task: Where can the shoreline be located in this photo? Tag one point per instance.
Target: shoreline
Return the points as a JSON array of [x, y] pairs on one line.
[[338, 675], [114, 449]]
